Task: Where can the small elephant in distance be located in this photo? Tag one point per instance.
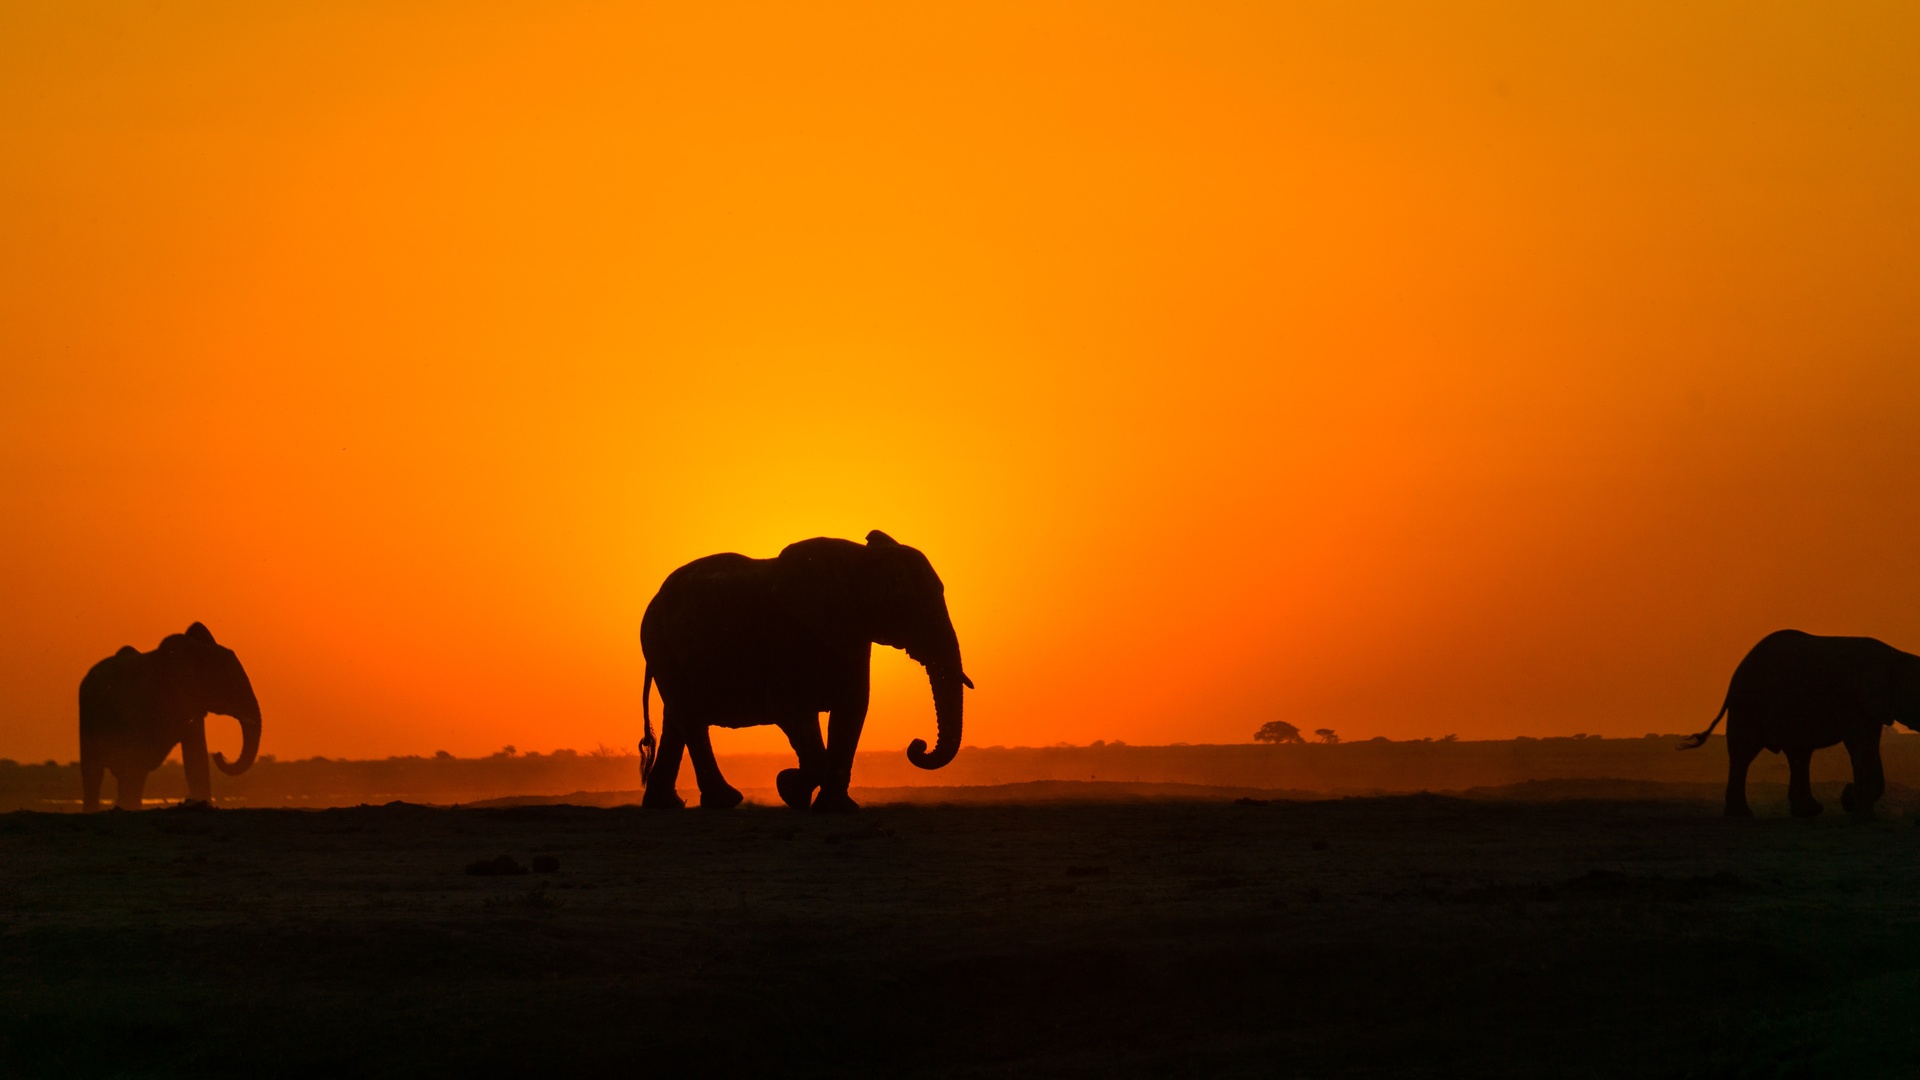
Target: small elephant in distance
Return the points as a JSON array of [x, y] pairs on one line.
[[737, 642], [1796, 693], [136, 707]]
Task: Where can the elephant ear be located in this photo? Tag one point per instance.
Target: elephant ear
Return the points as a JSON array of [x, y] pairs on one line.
[[200, 633]]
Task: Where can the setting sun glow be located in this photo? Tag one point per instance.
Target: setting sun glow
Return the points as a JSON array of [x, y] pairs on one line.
[[1401, 368]]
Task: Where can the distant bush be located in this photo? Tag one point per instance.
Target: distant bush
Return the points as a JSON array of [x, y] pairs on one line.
[[1278, 731]]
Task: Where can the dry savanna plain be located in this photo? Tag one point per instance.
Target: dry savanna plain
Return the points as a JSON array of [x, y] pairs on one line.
[[1150, 924]]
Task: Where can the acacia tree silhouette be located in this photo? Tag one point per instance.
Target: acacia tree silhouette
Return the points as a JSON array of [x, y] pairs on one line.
[[1278, 731], [1326, 735]]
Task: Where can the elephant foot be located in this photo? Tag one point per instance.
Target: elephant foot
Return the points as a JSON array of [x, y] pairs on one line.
[[834, 802], [725, 798], [195, 804], [666, 799], [794, 787], [1810, 808]]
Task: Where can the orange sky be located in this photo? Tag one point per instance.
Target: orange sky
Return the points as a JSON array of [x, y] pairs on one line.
[[1401, 368]]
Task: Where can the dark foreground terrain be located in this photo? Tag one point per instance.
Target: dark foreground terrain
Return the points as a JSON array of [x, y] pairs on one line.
[[1394, 936]]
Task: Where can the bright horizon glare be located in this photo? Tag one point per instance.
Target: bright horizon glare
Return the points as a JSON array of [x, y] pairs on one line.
[[1401, 368]]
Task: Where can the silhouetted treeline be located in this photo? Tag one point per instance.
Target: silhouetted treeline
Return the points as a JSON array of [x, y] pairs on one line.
[[1376, 766]]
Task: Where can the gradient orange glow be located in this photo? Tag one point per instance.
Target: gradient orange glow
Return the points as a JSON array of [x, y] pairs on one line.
[[1401, 368]]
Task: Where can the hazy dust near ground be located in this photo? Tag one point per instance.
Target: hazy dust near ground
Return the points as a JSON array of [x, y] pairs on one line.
[[1401, 936], [1375, 767]]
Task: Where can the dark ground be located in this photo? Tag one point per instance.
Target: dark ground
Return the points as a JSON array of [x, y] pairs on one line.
[[1396, 936]]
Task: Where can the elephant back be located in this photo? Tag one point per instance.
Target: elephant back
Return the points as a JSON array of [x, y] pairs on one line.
[[707, 602]]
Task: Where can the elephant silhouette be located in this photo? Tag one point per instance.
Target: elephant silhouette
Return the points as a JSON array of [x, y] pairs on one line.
[[737, 642], [136, 707], [1796, 693]]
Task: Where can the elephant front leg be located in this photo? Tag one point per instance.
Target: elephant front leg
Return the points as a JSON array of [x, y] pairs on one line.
[[193, 757], [715, 792], [1869, 780], [1800, 784], [128, 787], [844, 725]]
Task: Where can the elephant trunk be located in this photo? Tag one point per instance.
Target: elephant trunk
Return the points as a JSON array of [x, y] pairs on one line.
[[947, 678], [249, 744]]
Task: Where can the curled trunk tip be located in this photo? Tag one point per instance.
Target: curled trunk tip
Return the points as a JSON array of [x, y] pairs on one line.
[[948, 705], [249, 750]]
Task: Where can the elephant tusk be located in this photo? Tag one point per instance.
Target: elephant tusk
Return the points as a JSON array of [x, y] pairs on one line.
[[964, 679]]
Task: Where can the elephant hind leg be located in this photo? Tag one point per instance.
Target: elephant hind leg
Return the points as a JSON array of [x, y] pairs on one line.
[[715, 792], [796, 785], [1800, 784], [1740, 755], [92, 771], [666, 770]]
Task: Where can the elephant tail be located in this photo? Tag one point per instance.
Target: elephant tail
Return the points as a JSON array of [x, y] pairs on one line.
[[1695, 742], [647, 744]]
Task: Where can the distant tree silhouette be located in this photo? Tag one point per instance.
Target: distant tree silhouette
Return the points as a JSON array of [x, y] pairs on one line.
[[1449, 738], [1326, 735], [1278, 731]]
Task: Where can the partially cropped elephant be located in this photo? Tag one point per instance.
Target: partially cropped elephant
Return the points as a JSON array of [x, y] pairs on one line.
[[1796, 693], [736, 642], [136, 707]]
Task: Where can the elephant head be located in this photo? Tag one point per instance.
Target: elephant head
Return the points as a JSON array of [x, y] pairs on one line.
[[884, 593], [909, 610], [1906, 690], [206, 677]]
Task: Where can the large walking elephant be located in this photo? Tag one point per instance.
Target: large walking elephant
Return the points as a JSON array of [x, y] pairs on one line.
[[1796, 693], [736, 642], [136, 707]]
